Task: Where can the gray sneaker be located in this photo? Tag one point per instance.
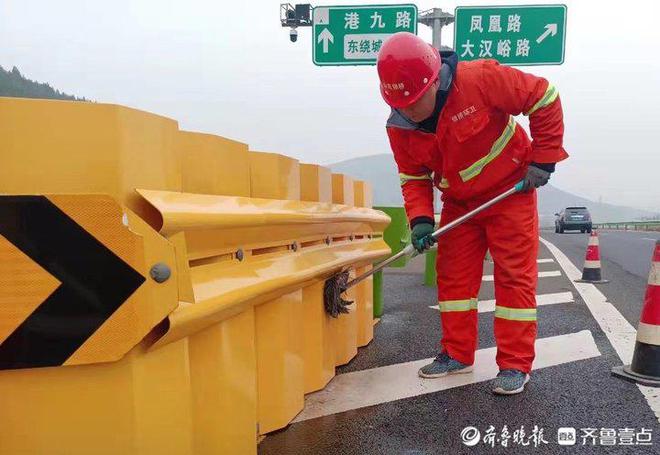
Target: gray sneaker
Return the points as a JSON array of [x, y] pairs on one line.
[[442, 366], [510, 382]]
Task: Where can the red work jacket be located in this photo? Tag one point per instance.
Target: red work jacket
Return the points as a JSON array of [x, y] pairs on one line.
[[478, 149]]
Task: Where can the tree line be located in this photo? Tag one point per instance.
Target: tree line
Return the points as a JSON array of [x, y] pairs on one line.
[[14, 84]]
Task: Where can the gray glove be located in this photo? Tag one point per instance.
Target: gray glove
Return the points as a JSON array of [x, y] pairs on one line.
[[535, 178]]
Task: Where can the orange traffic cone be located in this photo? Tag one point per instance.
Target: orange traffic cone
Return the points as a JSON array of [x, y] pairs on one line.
[[645, 366], [591, 271]]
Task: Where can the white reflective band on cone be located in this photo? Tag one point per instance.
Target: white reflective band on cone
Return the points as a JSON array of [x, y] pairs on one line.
[[591, 264], [649, 334], [654, 274], [593, 241]]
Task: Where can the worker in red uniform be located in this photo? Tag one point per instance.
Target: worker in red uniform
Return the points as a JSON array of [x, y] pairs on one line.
[[452, 127]]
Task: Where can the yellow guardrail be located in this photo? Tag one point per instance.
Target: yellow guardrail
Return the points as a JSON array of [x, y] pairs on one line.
[[161, 291]]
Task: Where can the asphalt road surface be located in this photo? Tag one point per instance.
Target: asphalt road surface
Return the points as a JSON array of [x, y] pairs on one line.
[[377, 405], [630, 250], [625, 259]]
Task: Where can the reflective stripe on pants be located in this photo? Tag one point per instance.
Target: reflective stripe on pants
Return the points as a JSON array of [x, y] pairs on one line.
[[510, 230], [458, 305]]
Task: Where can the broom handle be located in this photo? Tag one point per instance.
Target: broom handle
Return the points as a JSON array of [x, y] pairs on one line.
[[409, 250]]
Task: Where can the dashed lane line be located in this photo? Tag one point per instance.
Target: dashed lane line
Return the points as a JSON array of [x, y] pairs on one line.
[[545, 261], [487, 306], [541, 275], [618, 330], [380, 385]]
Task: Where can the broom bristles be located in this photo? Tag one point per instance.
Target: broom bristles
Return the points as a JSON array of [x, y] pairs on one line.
[[334, 287]]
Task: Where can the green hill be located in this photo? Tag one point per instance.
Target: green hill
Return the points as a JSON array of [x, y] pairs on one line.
[[14, 84]]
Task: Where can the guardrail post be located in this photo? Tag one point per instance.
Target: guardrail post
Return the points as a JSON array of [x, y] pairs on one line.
[[364, 291], [274, 176], [223, 367], [345, 325], [318, 349], [318, 341], [223, 371], [213, 165], [280, 370]]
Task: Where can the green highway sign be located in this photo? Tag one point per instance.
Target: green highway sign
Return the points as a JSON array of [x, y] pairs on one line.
[[353, 35], [513, 35]]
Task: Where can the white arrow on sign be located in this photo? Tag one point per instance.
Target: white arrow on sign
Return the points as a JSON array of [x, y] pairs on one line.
[[549, 29], [325, 36]]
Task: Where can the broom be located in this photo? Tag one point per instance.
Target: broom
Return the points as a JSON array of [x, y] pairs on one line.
[[336, 285]]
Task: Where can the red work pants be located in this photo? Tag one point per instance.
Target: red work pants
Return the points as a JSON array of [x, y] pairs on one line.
[[509, 230]]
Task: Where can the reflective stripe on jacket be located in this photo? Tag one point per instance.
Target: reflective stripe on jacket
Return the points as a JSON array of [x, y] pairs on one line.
[[478, 149]]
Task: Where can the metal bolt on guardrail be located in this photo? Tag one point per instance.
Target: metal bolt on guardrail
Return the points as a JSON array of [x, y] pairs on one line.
[[160, 272]]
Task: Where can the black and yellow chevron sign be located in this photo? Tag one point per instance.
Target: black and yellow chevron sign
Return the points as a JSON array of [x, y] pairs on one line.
[[58, 282]]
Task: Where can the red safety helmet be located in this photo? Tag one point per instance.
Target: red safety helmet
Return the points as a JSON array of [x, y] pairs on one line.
[[407, 67]]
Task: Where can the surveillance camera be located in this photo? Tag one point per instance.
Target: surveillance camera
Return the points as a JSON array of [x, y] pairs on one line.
[[293, 35]]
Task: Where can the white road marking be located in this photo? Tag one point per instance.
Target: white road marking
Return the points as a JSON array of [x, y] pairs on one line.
[[618, 330], [487, 306], [541, 275], [538, 261], [394, 382], [649, 238]]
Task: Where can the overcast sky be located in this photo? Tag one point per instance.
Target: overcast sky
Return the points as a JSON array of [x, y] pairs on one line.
[[229, 69]]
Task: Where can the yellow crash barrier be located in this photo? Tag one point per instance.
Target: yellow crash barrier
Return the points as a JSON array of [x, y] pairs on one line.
[[191, 271], [249, 251]]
